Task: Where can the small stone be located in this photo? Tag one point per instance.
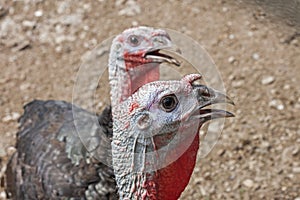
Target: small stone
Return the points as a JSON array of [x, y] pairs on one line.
[[224, 9], [207, 175], [87, 7], [231, 77], [25, 86], [63, 7], [286, 87], [11, 150], [255, 56], [295, 42], [22, 45], [248, 183], [73, 19], [3, 80], [8, 26], [290, 176], [297, 106], [221, 152], [197, 169], [296, 170], [231, 36], [228, 189], [58, 49], [38, 13], [267, 80], [119, 2], [11, 117], [99, 105], [250, 33], [295, 151], [276, 104], [64, 38], [86, 28], [195, 10], [3, 195], [198, 180], [238, 83], [202, 190], [28, 24], [231, 59], [134, 23], [273, 91], [265, 144], [131, 8]]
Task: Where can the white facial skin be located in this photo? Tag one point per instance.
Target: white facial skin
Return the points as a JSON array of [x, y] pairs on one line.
[[155, 126], [129, 64]]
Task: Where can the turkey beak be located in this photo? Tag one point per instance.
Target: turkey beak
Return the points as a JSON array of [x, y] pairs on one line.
[[207, 96], [164, 53]]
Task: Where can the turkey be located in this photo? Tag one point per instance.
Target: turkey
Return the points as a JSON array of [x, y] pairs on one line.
[[51, 162], [155, 136]]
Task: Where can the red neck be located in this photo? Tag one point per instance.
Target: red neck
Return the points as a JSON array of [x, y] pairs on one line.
[[137, 75], [173, 179], [168, 183]]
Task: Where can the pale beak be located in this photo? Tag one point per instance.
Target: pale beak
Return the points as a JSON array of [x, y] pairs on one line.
[[164, 53]]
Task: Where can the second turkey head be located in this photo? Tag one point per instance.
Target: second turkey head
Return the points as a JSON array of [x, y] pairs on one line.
[[135, 58]]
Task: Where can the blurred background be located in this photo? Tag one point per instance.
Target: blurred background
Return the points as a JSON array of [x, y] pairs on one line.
[[255, 45]]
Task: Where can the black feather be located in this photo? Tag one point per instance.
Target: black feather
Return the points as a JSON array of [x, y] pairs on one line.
[[52, 162]]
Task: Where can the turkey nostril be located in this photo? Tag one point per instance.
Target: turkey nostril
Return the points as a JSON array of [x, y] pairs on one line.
[[160, 41], [205, 92]]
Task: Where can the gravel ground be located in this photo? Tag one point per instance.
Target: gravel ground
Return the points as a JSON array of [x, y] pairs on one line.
[[258, 56]]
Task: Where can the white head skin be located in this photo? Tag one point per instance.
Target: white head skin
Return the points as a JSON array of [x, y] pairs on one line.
[[134, 60], [159, 119]]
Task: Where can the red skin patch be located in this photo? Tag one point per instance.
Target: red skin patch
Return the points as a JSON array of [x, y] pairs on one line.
[[133, 106], [133, 60], [173, 179], [144, 71]]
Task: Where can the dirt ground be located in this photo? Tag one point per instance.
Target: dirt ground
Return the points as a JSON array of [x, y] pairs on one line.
[[258, 56]]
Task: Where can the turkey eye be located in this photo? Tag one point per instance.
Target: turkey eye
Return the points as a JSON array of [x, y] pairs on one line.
[[134, 40], [169, 103]]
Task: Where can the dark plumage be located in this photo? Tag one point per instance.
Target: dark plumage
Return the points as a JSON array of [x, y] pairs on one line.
[[63, 167]]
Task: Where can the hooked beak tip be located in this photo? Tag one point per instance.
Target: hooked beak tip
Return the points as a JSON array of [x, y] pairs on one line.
[[229, 114], [229, 100]]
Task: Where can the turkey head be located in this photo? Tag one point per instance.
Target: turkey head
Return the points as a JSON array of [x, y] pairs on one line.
[[135, 58], [154, 130]]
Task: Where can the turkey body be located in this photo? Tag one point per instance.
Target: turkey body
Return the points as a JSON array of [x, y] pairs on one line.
[[62, 149], [52, 162]]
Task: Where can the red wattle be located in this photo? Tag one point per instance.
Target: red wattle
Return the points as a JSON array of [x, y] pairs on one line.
[[173, 179]]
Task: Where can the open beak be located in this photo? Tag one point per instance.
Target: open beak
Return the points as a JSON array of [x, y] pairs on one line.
[[163, 55], [207, 96]]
